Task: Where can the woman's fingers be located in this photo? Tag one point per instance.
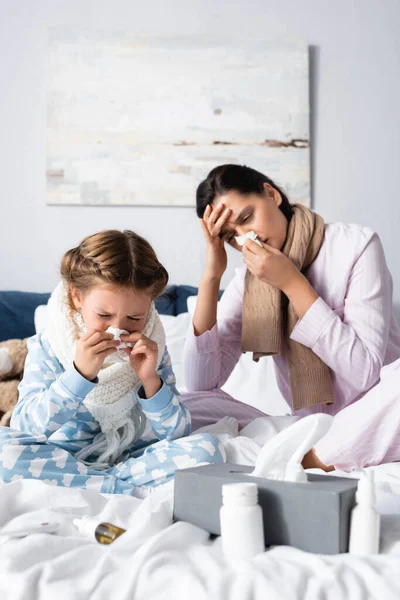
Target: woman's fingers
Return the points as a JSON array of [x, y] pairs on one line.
[[216, 220], [207, 234], [247, 250], [221, 222], [248, 258], [214, 213], [251, 246]]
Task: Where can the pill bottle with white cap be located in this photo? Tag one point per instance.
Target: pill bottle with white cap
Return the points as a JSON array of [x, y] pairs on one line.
[[241, 517]]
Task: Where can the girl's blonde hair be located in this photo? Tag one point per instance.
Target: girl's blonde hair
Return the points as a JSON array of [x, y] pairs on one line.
[[115, 258]]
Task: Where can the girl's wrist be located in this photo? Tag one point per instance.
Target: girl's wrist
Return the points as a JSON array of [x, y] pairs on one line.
[[152, 385], [85, 374]]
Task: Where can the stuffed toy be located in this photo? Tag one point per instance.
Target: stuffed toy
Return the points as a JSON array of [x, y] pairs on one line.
[[12, 360]]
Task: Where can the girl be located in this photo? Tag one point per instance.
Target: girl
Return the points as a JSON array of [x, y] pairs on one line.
[[91, 408], [316, 297]]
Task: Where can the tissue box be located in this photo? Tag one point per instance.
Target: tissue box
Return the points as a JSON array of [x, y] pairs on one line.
[[313, 516]]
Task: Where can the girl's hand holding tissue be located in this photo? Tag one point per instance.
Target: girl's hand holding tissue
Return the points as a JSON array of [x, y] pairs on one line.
[[144, 358], [91, 351]]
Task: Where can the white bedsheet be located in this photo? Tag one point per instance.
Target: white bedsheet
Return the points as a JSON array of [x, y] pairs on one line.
[[156, 559]]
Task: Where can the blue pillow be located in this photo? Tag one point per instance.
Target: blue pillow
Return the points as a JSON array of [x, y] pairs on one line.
[[17, 311], [173, 300], [165, 304]]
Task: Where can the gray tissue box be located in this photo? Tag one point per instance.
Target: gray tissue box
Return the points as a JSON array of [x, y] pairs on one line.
[[312, 516]]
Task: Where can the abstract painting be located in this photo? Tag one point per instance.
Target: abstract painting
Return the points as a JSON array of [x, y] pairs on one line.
[[141, 121]]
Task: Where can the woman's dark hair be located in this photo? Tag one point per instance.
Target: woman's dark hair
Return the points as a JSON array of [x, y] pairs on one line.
[[226, 178]]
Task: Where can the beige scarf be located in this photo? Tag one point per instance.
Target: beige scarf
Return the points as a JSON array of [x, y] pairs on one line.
[[268, 318]]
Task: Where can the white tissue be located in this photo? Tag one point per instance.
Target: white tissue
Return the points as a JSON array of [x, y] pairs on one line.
[[251, 235], [119, 355], [280, 458], [117, 337]]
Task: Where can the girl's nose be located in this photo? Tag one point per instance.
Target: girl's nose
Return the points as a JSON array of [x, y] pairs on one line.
[[118, 324]]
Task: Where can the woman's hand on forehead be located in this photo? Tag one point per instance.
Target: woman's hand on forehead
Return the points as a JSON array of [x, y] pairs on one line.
[[212, 223], [215, 218]]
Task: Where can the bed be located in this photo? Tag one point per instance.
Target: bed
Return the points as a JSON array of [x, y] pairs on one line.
[[157, 558]]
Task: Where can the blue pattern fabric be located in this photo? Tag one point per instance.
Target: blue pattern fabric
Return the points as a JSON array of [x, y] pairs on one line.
[[51, 423]]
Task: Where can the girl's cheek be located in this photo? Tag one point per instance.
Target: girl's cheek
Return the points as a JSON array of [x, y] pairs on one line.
[[101, 325], [94, 323], [136, 329]]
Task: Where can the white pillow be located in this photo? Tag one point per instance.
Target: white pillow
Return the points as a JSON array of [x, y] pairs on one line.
[[40, 318], [253, 383], [175, 330]]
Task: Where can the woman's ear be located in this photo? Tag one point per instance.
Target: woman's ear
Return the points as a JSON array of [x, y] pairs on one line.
[[76, 297], [273, 194]]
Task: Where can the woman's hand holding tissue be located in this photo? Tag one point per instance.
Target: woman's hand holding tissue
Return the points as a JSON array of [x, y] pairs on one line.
[[270, 265], [273, 267]]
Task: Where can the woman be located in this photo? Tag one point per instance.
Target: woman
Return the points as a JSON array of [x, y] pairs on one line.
[[316, 297]]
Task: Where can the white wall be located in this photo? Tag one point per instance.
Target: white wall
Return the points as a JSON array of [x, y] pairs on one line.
[[355, 60]]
